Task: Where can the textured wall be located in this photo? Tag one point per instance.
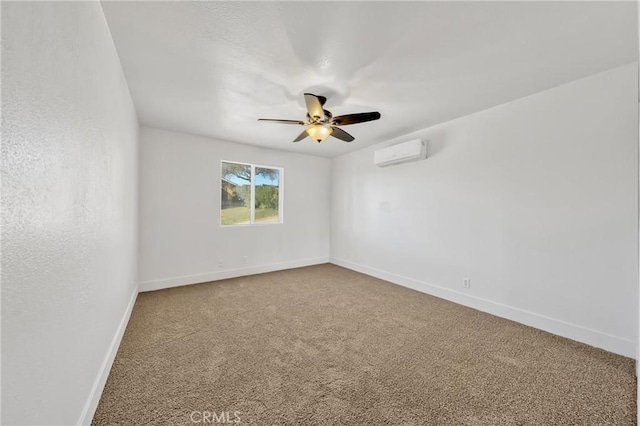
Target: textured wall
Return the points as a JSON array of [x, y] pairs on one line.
[[535, 201], [181, 240], [69, 221]]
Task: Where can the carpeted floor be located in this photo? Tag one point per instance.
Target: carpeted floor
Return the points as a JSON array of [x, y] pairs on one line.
[[323, 345]]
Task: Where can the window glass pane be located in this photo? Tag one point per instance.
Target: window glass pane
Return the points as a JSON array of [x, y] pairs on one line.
[[267, 189], [236, 194]]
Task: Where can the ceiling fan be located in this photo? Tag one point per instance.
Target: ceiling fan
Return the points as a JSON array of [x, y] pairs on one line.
[[321, 123]]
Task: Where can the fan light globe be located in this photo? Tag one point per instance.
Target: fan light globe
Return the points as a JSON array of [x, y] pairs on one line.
[[319, 132]]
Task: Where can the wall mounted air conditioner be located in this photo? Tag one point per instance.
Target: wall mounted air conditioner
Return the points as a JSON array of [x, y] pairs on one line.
[[401, 153]]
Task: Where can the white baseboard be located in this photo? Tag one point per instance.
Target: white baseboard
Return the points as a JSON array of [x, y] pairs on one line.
[[98, 386], [229, 273], [589, 336]]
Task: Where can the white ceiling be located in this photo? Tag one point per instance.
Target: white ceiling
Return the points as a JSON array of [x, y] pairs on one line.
[[213, 68]]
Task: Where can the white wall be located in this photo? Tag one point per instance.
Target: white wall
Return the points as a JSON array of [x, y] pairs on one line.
[[69, 215], [535, 201], [638, 318], [181, 240]]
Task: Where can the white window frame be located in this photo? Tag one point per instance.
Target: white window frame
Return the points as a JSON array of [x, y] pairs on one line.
[[252, 202]]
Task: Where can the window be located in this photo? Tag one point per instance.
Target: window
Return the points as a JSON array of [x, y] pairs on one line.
[[250, 194]]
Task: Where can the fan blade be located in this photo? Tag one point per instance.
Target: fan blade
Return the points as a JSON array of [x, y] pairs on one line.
[[341, 134], [275, 120], [301, 136], [314, 106], [343, 120]]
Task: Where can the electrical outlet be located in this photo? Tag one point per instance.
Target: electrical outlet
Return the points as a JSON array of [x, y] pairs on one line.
[[220, 263], [466, 283], [243, 261]]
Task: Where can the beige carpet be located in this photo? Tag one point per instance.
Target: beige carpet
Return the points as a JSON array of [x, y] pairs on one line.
[[327, 346]]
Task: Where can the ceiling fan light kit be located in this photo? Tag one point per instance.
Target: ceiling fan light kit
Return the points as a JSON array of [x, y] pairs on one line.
[[321, 123], [319, 132]]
